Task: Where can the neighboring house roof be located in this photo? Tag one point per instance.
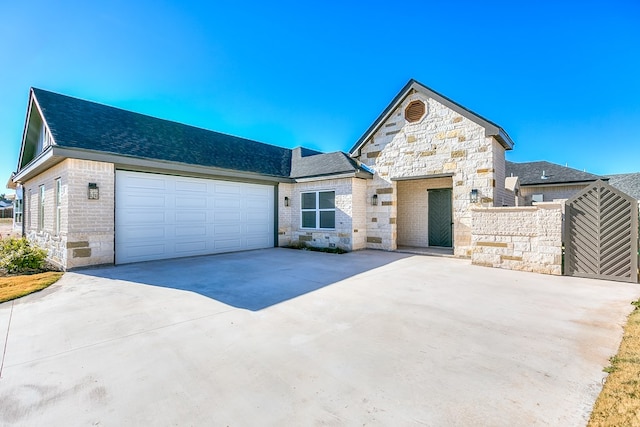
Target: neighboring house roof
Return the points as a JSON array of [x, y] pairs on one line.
[[628, 183], [307, 163], [545, 173], [491, 129], [80, 124]]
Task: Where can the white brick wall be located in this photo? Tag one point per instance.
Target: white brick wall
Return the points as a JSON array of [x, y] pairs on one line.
[[523, 238], [87, 226], [443, 142]]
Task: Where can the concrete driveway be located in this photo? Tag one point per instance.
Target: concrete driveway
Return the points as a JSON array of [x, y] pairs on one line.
[[284, 337]]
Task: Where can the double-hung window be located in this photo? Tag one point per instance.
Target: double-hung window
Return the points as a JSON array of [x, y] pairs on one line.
[[318, 209], [41, 209], [58, 204]]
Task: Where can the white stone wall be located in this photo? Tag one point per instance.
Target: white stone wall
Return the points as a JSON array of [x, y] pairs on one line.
[[442, 143], [284, 214], [551, 193], [86, 226], [347, 235], [523, 238], [359, 211]]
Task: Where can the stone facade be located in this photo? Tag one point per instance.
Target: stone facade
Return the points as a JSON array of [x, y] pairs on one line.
[[441, 143], [523, 238], [86, 227], [349, 233]]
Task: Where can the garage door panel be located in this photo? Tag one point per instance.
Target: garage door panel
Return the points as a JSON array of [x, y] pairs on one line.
[[137, 200], [188, 248], [163, 216], [192, 202], [228, 188], [190, 231], [190, 186], [185, 217], [137, 233], [226, 202], [149, 182], [257, 229], [229, 217], [140, 217]]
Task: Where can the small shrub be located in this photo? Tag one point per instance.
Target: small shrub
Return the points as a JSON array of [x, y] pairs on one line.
[[18, 255]]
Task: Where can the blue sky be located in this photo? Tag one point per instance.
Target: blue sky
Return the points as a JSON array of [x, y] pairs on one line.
[[562, 78]]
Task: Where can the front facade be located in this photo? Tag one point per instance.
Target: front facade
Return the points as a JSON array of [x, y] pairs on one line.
[[102, 185]]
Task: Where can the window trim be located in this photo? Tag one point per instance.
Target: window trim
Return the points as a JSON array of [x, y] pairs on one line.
[[41, 201], [317, 209], [58, 204]]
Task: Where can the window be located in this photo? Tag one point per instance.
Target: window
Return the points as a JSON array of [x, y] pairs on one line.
[[17, 213], [58, 204], [29, 210], [44, 139], [41, 209], [538, 198], [319, 209]]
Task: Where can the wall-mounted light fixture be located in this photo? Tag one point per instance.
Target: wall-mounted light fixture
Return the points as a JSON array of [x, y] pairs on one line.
[[94, 191], [286, 201], [473, 196], [374, 200]]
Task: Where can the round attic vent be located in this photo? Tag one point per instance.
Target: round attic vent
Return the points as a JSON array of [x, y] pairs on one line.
[[414, 111]]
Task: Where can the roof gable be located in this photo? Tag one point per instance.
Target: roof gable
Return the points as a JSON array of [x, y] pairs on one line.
[[541, 173], [86, 125], [491, 129], [307, 163]]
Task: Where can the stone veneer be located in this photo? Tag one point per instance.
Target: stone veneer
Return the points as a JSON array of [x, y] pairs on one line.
[[349, 233], [86, 235], [442, 143], [523, 238]]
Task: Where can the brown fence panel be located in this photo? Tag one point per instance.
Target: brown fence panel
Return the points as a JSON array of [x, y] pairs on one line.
[[601, 234]]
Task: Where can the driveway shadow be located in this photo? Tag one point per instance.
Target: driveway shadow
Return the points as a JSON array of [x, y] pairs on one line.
[[251, 280]]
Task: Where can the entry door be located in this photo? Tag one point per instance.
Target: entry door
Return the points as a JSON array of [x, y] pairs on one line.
[[440, 230]]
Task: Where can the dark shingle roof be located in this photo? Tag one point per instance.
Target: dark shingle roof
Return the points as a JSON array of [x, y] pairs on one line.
[[530, 173], [307, 163], [628, 183], [75, 123]]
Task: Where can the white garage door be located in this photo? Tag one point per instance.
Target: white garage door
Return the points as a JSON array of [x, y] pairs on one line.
[[163, 216]]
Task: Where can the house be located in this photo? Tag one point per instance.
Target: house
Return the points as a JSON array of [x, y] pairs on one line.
[[102, 185], [546, 182], [628, 183]]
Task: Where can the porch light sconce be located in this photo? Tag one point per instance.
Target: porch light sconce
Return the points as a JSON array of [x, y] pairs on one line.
[[94, 191], [286, 201], [374, 200], [473, 196]]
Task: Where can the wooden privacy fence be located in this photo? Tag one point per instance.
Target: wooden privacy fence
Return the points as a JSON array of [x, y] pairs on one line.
[[601, 234]]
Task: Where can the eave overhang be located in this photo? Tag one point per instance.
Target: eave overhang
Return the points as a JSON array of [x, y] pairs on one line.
[[55, 154]]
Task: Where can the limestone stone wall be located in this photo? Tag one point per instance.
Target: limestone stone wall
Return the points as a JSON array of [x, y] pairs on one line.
[[86, 233], [441, 143], [349, 232], [522, 238]]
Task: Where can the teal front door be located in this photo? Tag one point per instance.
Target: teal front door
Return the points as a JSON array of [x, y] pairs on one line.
[[440, 224]]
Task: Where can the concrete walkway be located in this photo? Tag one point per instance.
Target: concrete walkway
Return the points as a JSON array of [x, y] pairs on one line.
[[283, 337]]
